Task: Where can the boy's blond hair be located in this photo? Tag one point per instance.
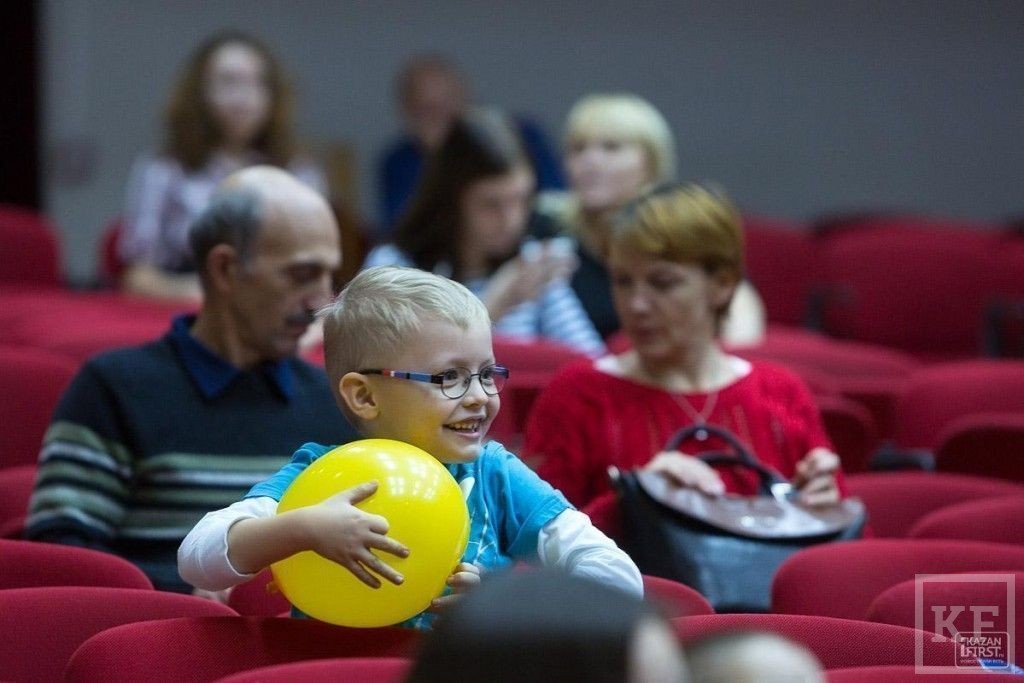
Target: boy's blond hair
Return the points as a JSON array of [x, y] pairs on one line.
[[380, 310]]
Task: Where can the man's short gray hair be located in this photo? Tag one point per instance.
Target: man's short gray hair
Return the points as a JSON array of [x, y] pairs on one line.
[[381, 309], [234, 216]]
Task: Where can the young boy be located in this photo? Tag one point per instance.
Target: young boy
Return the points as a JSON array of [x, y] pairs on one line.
[[409, 357]]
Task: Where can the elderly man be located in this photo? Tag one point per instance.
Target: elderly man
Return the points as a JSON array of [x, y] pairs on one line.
[[146, 440]]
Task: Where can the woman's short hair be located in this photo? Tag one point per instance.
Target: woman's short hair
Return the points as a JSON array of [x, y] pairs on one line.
[[685, 224], [192, 131], [480, 145], [626, 117], [379, 312]]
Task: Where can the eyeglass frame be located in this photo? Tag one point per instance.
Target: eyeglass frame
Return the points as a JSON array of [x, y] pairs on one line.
[[438, 379]]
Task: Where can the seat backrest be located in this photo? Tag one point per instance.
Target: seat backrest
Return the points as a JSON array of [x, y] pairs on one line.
[[992, 520], [351, 670], [674, 599], [897, 500], [986, 444], [112, 267], [851, 429], [841, 579], [943, 603], [912, 283], [29, 249], [42, 627], [258, 597], [31, 384], [836, 643], [15, 489], [28, 564], [903, 674], [209, 648], [779, 263], [936, 396]]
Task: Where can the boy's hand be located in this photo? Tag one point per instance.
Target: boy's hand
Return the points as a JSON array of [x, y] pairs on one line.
[[341, 532], [465, 578]]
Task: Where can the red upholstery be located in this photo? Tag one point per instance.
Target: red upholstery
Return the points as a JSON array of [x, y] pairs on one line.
[[835, 642], [993, 520], [15, 489], [352, 670], [81, 325], [257, 598], [851, 429], [936, 396], [205, 649], [779, 262], [31, 383], [674, 599], [42, 627], [29, 250], [910, 283], [905, 674], [29, 564], [896, 605], [896, 500], [841, 579], [988, 444]]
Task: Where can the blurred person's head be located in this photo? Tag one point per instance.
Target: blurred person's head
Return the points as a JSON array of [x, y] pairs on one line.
[[675, 259], [472, 206], [552, 627], [265, 247], [431, 94], [752, 658], [232, 96], [616, 145]]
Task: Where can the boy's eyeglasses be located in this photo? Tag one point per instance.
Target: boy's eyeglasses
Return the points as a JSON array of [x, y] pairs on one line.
[[454, 381]]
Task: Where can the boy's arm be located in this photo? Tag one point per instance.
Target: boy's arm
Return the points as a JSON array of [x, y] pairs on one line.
[[230, 545], [203, 559], [570, 542]]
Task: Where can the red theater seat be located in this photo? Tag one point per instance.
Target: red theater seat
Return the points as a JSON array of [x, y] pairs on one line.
[[841, 579], [354, 670], [992, 520], [31, 384], [29, 250], [907, 674], [897, 500], [986, 444], [16, 485], [208, 648], [42, 627], [916, 604], [30, 564], [674, 599], [837, 643]]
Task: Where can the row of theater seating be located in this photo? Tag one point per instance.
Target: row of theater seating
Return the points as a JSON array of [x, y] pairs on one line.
[[935, 288], [855, 604], [939, 289]]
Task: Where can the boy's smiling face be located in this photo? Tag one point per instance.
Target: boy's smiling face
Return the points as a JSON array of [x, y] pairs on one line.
[[451, 430]]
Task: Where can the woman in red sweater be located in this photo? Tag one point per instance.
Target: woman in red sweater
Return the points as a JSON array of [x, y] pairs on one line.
[[676, 257]]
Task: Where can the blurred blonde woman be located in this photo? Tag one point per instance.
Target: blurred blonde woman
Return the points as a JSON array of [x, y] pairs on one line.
[[617, 146]]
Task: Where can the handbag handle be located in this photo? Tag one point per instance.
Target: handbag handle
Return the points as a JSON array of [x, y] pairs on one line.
[[741, 456]]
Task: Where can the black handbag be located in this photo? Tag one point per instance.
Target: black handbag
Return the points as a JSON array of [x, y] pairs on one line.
[[726, 547]]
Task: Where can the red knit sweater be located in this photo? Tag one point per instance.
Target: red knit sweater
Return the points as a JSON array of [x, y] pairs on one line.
[[587, 420]]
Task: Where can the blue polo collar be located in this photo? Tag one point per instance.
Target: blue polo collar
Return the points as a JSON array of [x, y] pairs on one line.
[[212, 374]]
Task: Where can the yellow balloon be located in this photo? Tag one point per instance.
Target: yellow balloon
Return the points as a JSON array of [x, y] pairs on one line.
[[425, 510]]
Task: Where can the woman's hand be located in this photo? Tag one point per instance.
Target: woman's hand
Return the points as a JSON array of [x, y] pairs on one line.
[[687, 471], [523, 279], [816, 478], [465, 578]]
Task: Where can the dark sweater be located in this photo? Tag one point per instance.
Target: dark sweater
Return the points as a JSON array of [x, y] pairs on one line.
[[140, 447]]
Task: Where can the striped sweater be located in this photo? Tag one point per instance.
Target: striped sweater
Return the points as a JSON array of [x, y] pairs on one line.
[[147, 440]]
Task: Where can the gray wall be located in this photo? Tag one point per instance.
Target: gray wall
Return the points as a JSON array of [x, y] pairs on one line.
[[796, 107]]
